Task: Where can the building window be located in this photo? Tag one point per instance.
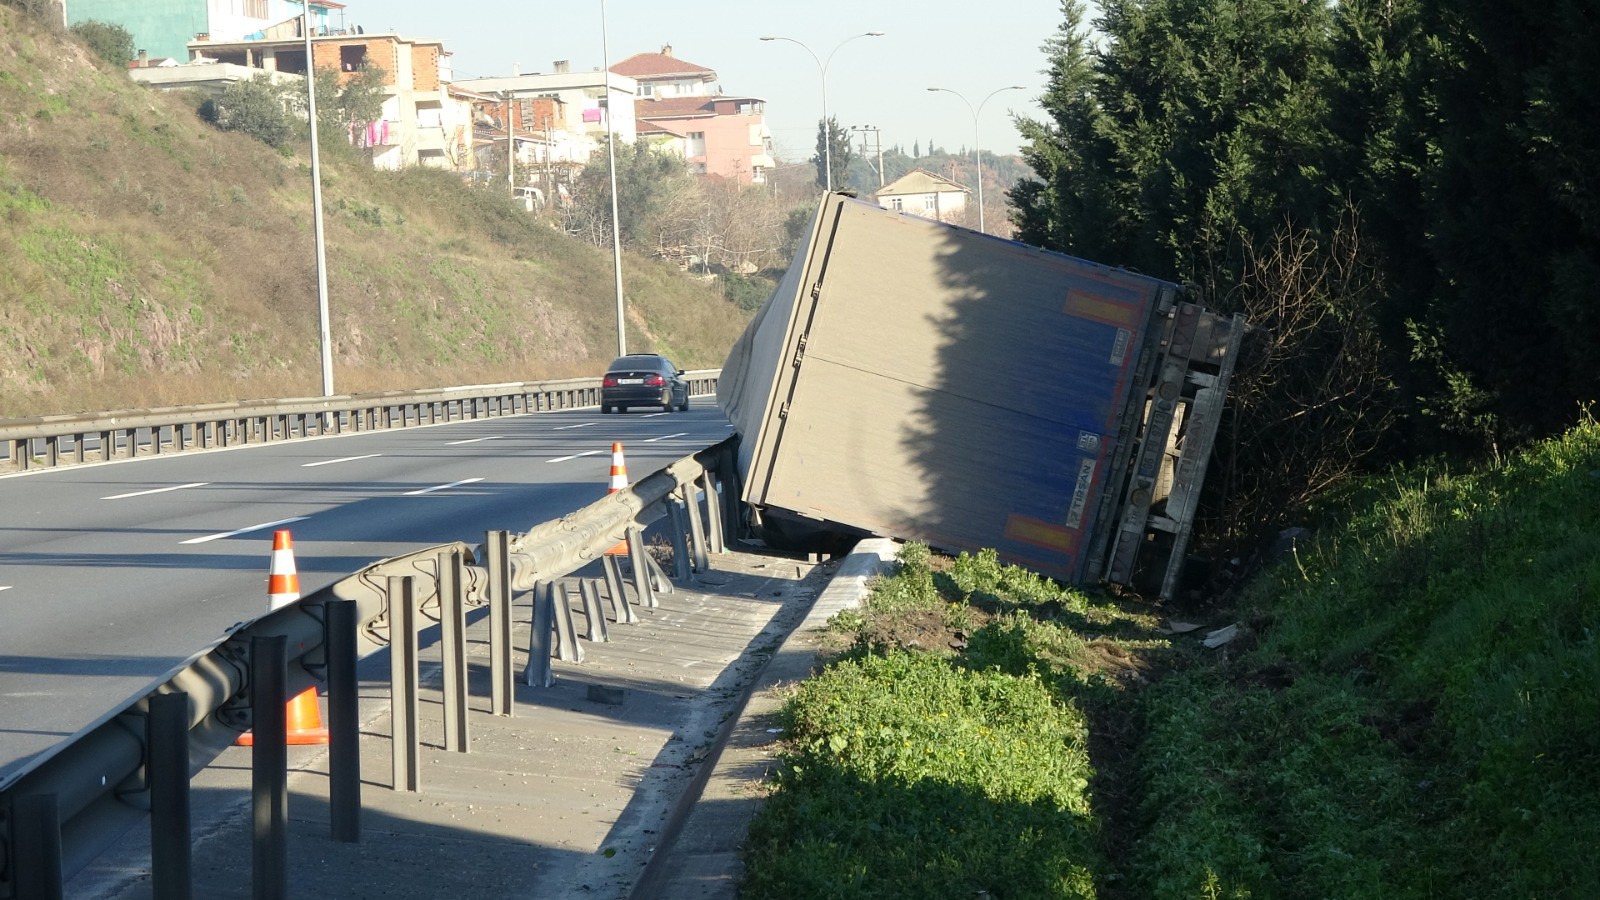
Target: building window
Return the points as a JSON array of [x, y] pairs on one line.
[[647, 90], [758, 174], [897, 203], [930, 202], [352, 56]]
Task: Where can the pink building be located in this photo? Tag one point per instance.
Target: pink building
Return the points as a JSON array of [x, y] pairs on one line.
[[680, 107]]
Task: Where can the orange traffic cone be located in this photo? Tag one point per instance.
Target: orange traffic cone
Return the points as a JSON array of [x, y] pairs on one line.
[[283, 587], [619, 480], [283, 582], [619, 469]]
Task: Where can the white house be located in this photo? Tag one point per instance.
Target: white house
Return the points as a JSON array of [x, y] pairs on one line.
[[925, 194]]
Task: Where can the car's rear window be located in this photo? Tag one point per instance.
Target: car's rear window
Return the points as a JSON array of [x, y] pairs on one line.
[[623, 363]]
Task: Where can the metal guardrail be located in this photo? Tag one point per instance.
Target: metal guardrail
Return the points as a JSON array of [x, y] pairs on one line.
[[69, 805], [50, 441]]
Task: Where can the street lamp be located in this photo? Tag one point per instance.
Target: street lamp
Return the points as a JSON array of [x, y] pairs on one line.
[[822, 68], [616, 221], [324, 332], [977, 155]]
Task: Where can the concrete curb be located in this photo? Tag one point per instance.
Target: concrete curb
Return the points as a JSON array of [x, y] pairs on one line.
[[698, 853]]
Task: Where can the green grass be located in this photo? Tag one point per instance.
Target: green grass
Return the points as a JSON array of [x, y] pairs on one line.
[[1413, 711], [940, 772]]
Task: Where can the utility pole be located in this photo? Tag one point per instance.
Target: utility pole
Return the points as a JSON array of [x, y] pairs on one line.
[[877, 137], [511, 145]]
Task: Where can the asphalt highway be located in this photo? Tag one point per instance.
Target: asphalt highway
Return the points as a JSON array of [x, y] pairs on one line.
[[113, 575]]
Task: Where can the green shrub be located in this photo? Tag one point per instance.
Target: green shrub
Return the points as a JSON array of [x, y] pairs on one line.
[[112, 43], [913, 777], [255, 107], [747, 292]]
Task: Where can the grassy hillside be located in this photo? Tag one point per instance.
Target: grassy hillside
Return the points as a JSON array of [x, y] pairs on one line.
[[147, 258], [1409, 711]]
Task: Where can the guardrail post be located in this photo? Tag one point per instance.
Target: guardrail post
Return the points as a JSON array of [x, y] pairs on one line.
[[728, 475], [595, 618], [403, 704], [697, 531], [453, 650], [36, 836], [567, 648], [344, 723], [171, 856], [269, 767], [621, 610], [678, 526], [713, 513], [539, 672], [641, 568], [659, 582], [501, 681]]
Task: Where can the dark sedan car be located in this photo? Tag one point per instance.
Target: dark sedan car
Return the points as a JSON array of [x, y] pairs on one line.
[[643, 379]]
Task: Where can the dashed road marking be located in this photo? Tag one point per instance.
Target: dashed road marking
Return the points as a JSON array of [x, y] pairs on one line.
[[443, 487], [228, 534], [176, 487], [329, 462]]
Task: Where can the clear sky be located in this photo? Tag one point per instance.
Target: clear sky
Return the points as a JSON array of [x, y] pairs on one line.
[[972, 48]]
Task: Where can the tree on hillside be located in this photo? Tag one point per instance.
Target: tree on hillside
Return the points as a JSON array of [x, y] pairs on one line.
[[831, 138], [256, 107], [656, 199], [112, 43], [1513, 211], [1066, 205], [343, 102]]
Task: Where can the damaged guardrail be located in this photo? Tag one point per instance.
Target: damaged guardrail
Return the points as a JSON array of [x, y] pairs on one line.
[[69, 805], [50, 441]]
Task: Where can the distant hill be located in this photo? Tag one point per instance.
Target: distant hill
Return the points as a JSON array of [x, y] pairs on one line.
[[147, 258]]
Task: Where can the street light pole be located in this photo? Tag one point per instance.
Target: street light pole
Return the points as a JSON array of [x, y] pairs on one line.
[[616, 221], [324, 331], [822, 69], [977, 154]]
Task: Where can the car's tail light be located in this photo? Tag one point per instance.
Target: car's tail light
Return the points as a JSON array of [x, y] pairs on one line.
[[654, 380], [609, 381]]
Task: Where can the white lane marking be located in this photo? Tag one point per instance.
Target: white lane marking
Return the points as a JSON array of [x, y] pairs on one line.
[[228, 534], [577, 455], [665, 437], [5, 587], [579, 425], [653, 415], [329, 462], [176, 487], [443, 487], [474, 440]]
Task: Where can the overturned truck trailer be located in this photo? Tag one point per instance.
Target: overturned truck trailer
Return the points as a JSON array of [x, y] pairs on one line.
[[926, 382]]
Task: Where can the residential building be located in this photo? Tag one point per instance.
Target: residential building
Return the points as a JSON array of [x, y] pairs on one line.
[[556, 120], [680, 106], [164, 28], [420, 123], [662, 75], [925, 194], [207, 76]]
